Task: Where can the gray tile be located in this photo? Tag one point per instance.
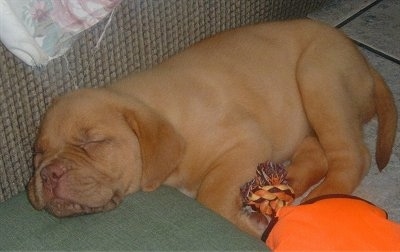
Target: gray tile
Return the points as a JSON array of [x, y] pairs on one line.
[[389, 70], [383, 188], [337, 11], [379, 28]]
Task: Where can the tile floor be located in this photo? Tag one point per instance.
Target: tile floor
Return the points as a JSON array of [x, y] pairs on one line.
[[375, 26]]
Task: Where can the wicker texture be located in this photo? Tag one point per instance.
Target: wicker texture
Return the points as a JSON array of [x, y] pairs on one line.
[[142, 33]]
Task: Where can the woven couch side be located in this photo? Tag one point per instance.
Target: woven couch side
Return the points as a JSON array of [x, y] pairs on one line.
[[142, 33]]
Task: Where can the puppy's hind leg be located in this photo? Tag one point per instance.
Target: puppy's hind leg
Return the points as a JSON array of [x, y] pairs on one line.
[[335, 90], [308, 166]]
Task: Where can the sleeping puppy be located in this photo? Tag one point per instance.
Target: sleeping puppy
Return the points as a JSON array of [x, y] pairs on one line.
[[202, 121]]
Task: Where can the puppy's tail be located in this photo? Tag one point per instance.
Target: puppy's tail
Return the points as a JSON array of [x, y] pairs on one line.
[[387, 120]]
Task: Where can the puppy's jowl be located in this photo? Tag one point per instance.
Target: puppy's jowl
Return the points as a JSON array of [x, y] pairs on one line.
[[202, 121]]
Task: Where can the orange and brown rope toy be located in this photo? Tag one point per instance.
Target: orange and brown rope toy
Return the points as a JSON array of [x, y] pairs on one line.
[[268, 191]]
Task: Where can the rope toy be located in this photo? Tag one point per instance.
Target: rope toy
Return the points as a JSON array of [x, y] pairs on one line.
[[268, 191]]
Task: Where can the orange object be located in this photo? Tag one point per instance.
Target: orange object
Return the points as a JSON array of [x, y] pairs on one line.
[[333, 222]]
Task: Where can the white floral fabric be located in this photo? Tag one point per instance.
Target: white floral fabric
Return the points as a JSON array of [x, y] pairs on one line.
[[40, 30]]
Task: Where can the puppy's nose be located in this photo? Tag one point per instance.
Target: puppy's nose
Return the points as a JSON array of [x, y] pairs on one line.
[[51, 174]]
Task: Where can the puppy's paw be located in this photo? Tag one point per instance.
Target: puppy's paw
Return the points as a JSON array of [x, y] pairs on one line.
[[329, 187]]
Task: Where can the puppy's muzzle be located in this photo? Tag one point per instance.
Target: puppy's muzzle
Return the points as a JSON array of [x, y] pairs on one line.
[[51, 175]]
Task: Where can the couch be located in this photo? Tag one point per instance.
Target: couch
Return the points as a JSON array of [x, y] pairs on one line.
[[142, 33]]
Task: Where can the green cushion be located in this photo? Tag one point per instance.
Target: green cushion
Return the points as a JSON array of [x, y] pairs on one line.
[[160, 220]]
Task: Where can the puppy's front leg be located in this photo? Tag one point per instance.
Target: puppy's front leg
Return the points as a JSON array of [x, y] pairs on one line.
[[220, 190]]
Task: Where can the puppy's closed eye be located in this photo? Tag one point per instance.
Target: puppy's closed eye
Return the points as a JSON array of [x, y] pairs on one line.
[[91, 143], [94, 147], [88, 139]]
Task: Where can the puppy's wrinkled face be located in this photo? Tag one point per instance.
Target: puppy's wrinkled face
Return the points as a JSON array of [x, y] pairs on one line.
[[87, 157]]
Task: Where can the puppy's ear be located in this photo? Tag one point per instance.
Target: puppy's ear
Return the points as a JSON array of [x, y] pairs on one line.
[[161, 146]]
